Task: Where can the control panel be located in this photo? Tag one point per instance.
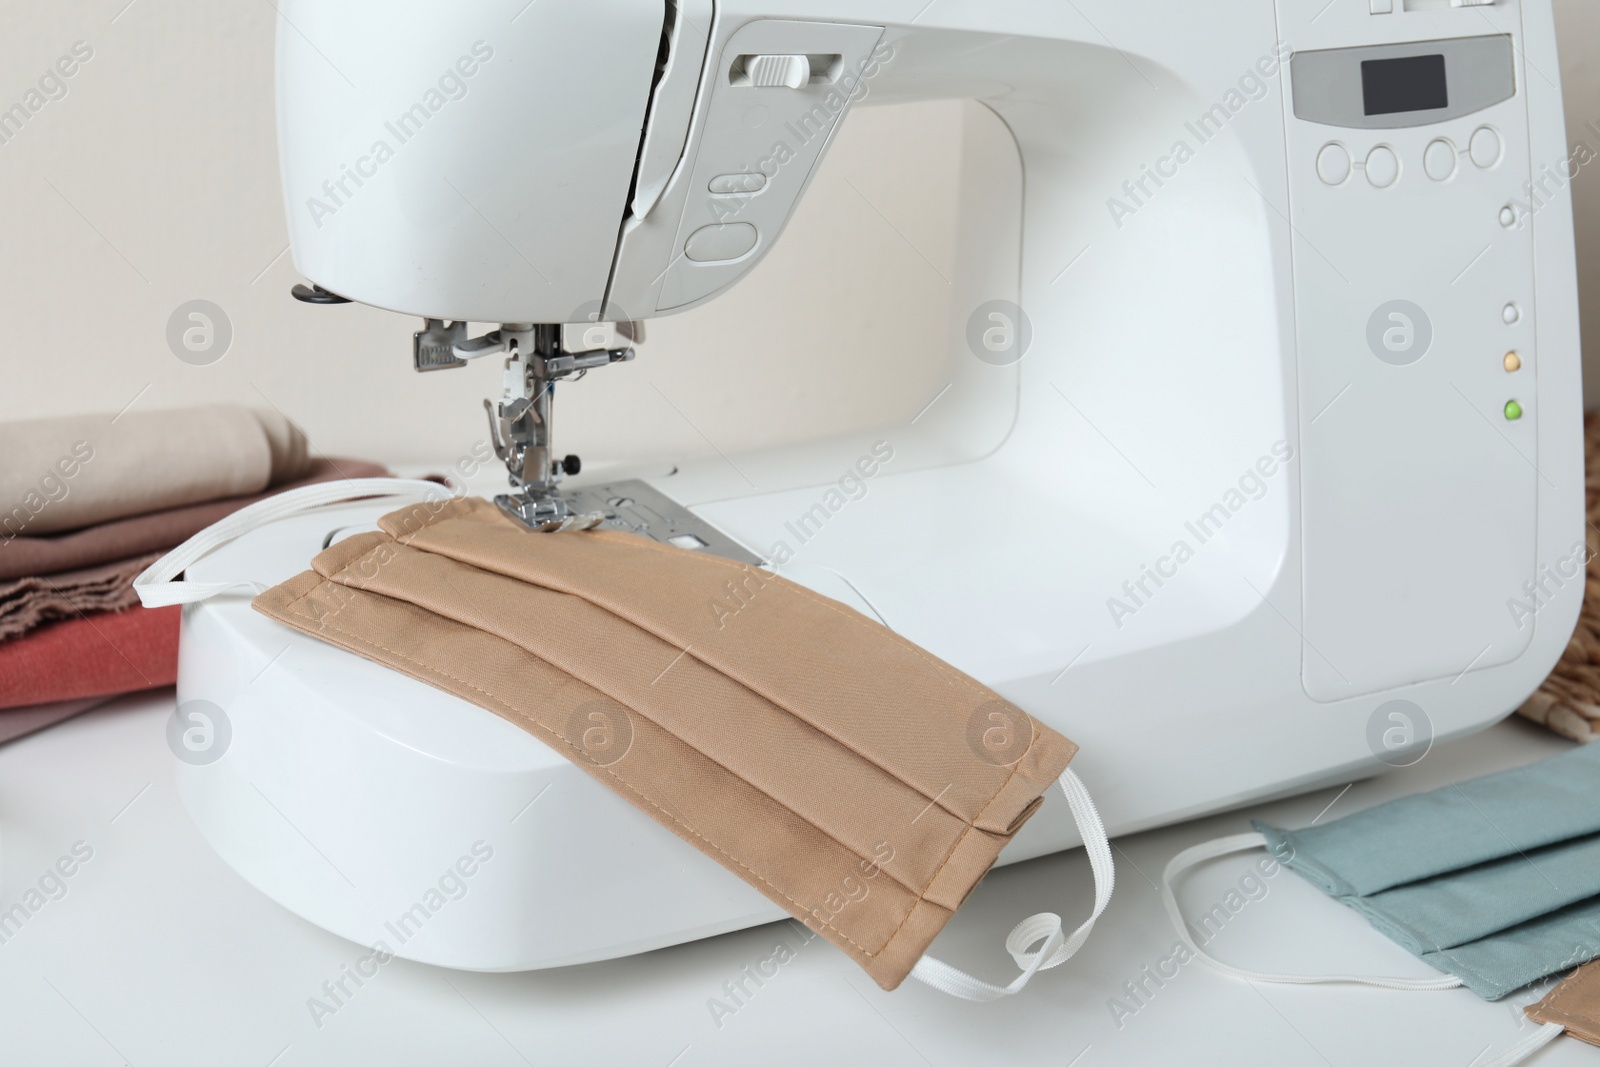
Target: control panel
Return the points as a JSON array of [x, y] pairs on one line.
[[1414, 285]]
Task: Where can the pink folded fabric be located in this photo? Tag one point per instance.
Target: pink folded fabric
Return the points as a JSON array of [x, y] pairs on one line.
[[91, 656], [20, 722], [156, 531], [27, 603]]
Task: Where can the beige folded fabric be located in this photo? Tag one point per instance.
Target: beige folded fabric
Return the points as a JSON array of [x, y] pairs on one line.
[[1574, 1004], [29, 602], [842, 771], [72, 471], [152, 531]]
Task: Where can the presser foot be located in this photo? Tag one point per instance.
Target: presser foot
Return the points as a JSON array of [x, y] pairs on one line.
[[630, 506], [547, 513]]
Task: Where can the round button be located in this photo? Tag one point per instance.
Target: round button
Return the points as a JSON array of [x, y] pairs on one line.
[[1383, 167], [720, 242], [1485, 147], [1508, 216], [1440, 159], [1511, 314], [1333, 164]]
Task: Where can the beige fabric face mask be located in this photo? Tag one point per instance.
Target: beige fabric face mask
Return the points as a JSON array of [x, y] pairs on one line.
[[853, 779], [1574, 1005]]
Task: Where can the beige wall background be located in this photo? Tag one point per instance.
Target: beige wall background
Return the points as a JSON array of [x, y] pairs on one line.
[[154, 181]]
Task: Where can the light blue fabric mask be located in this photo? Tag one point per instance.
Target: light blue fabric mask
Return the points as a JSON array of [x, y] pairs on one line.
[[1495, 880]]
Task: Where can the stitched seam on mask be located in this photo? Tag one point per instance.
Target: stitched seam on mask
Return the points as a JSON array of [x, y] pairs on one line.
[[821, 601], [793, 587], [631, 789], [1449, 955], [854, 617], [1567, 988], [324, 580], [1472, 971], [1561, 993], [919, 892], [291, 605], [968, 826]]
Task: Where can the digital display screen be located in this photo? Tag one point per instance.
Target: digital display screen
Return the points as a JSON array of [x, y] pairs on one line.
[[1412, 83]]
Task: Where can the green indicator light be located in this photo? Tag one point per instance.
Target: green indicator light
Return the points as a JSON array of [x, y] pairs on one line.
[[1513, 411]]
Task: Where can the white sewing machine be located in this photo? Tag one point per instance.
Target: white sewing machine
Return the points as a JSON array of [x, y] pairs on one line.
[[1289, 440]]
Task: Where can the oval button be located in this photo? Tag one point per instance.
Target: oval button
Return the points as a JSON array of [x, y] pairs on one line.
[[749, 182], [1440, 159], [1333, 164], [720, 242], [1383, 167], [1485, 147]]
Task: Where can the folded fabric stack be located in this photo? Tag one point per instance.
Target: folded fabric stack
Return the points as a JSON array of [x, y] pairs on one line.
[[86, 503]]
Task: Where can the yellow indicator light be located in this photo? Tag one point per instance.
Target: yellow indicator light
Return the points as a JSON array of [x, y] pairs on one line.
[[1513, 362]]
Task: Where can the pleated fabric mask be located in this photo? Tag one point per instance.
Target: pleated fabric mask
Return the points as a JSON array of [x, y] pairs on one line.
[[801, 745], [1573, 1006], [1494, 881]]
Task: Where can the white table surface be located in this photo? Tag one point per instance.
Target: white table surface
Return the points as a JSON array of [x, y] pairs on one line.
[[158, 954]]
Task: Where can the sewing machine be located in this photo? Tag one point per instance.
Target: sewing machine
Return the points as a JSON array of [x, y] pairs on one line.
[[1260, 468]]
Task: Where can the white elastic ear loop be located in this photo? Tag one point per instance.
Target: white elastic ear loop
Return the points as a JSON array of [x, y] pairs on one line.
[[1224, 846], [1527, 1046], [156, 587], [1045, 926]]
